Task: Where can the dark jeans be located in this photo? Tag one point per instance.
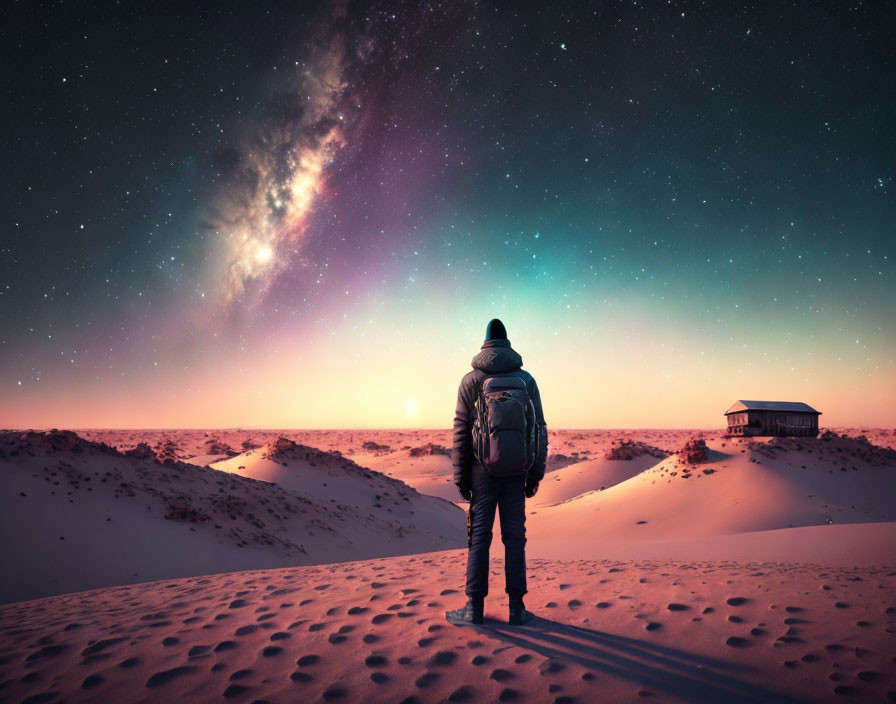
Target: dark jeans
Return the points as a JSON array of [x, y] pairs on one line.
[[507, 495]]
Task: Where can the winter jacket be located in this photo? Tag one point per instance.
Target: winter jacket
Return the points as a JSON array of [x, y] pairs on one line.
[[495, 357]]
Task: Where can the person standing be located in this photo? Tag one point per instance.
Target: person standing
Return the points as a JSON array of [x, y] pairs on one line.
[[499, 456]]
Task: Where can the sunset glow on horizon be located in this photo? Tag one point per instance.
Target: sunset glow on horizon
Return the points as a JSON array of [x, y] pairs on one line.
[[315, 232]]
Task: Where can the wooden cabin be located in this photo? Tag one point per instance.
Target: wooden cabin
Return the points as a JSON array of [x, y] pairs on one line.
[[780, 418]]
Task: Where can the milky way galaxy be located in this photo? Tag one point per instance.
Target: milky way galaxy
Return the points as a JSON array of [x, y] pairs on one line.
[[280, 171], [304, 215]]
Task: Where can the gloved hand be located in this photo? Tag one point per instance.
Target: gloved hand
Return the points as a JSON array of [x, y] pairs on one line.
[[531, 486], [465, 491]]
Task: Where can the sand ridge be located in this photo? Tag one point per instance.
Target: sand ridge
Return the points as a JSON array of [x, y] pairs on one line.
[[86, 515]]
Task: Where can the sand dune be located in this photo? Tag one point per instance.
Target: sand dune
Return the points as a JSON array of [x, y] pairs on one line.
[[590, 475], [77, 514], [623, 621], [374, 631], [745, 486], [429, 473]]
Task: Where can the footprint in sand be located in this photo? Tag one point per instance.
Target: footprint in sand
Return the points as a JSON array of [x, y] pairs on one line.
[[92, 681], [235, 690], [508, 695], [736, 601], [677, 607], [427, 680], [464, 693], [652, 626], [48, 651], [788, 639], [300, 677], [380, 618], [551, 667], [103, 645], [226, 645], [379, 677], [334, 693], [241, 674], [736, 642], [499, 675], [165, 676], [443, 658]]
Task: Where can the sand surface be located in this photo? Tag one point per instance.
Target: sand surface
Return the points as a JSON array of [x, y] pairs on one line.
[[375, 631], [76, 514], [664, 565]]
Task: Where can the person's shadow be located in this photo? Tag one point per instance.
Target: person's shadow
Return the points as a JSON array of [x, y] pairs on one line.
[[659, 669]]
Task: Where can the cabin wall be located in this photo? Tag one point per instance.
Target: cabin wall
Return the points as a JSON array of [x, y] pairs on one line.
[[773, 423]]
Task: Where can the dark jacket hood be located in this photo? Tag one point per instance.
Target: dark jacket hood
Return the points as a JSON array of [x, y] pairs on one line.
[[497, 357]]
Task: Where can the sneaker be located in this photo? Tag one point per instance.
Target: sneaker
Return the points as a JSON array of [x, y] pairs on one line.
[[472, 612], [518, 613]]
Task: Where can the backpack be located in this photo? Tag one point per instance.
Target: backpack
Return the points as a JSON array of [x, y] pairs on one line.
[[505, 437]]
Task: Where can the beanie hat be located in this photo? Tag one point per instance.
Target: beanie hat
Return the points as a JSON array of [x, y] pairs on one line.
[[495, 330]]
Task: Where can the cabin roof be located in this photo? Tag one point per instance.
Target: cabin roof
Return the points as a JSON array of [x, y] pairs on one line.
[[788, 406]]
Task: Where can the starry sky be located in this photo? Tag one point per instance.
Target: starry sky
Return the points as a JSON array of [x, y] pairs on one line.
[[304, 214]]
